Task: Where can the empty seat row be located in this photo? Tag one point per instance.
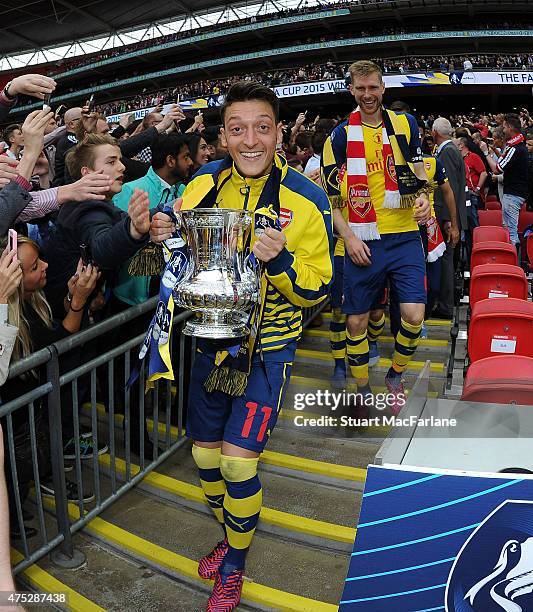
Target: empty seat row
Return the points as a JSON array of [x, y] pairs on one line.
[[500, 334]]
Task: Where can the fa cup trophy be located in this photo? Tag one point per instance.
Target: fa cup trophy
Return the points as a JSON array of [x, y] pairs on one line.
[[221, 286]]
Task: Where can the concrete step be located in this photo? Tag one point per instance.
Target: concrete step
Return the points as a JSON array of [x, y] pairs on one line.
[[312, 525], [119, 583], [42, 578], [288, 494], [318, 339], [431, 323], [437, 329], [308, 468], [322, 368], [329, 453], [304, 355], [169, 538]]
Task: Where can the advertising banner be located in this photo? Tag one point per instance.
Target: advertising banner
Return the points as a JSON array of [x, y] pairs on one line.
[[313, 88], [442, 540]]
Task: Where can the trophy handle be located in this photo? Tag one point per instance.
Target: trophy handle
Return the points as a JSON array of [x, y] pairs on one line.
[[252, 264], [179, 220]]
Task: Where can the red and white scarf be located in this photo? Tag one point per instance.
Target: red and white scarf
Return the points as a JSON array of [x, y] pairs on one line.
[[436, 244], [361, 214], [362, 217], [512, 142]]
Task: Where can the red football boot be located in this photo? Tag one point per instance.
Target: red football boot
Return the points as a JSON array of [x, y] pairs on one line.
[[208, 566], [226, 593]]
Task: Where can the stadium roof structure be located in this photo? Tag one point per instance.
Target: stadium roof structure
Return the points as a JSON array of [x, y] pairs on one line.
[[33, 24], [39, 31]]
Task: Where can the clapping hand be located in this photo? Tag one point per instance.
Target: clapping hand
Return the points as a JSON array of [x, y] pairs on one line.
[[139, 213]]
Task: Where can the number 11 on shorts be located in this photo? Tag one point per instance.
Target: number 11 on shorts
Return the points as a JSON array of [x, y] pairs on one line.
[[252, 411]]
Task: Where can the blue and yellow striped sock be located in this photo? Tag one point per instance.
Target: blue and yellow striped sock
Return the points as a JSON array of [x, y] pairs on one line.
[[407, 340], [357, 349], [337, 337], [242, 505], [375, 328], [213, 485]]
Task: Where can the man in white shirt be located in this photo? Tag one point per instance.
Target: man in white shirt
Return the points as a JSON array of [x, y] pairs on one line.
[[14, 140]]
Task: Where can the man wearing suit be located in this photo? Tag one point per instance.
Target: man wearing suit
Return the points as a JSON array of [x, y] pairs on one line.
[[450, 157]]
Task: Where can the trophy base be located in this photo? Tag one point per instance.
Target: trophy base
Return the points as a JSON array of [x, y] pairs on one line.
[[216, 325]]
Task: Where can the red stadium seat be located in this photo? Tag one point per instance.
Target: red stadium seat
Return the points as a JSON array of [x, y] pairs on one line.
[[500, 327], [493, 252], [525, 219], [490, 217], [497, 233], [530, 249], [504, 379], [492, 196], [493, 205], [490, 281]]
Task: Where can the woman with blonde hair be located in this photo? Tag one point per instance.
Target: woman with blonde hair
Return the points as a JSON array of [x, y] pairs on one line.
[[30, 312], [10, 279]]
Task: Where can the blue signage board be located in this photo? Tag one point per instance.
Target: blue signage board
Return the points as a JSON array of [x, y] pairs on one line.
[[437, 540]]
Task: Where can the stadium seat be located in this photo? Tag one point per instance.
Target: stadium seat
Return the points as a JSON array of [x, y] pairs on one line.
[[505, 379], [490, 217], [525, 219], [493, 252], [490, 281], [530, 249], [482, 233], [493, 205], [500, 327]]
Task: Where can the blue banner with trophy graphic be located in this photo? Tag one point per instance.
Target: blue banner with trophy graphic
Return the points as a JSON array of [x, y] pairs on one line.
[[431, 540]]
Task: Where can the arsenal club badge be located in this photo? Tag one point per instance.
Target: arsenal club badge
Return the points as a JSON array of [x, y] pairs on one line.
[[359, 199]]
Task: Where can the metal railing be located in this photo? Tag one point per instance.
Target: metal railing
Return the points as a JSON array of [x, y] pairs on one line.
[[89, 395], [71, 394]]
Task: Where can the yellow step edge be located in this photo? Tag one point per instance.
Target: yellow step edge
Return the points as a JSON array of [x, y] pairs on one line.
[[322, 383], [383, 363], [252, 591], [45, 582], [428, 322], [322, 333], [343, 472], [312, 466], [119, 420], [321, 529]]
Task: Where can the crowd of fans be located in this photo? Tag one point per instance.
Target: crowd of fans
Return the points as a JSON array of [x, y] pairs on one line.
[[317, 72], [483, 61], [70, 178]]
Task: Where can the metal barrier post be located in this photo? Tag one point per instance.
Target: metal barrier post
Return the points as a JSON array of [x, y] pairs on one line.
[[66, 555]]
